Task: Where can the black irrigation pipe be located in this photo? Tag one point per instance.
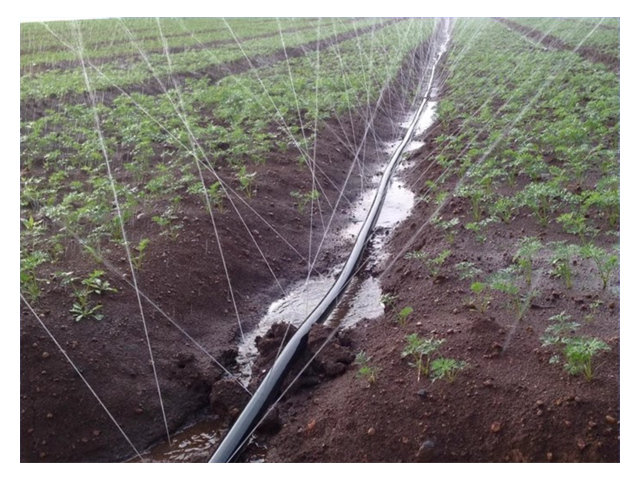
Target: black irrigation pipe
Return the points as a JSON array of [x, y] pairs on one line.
[[232, 444]]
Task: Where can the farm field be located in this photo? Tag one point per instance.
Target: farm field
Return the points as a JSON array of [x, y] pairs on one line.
[[180, 175]]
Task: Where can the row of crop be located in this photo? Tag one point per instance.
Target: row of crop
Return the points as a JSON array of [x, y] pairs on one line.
[[155, 44], [578, 33], [98, 34], [153, 142], [59, 83], [528, 151]]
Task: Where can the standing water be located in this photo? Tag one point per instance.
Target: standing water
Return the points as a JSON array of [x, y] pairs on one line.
[[362, 298]]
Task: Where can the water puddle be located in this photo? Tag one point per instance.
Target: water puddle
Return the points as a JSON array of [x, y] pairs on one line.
[[361, 300], [194, 444]]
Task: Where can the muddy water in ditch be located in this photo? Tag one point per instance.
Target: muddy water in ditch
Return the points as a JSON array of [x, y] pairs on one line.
[[362, 299]]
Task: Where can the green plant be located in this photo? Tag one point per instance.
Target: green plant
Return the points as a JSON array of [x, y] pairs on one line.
[[246, 181], [605, 262], [403, 315], [433, 265], [482, 300], [94, 284], [527, 248], [216, 196], [477, 196], [543, 199], [504, 281], [82, 307], [467, 270], [28, 272], [504, 208], [576, 224], [366, 370], [560, 330], [593, 306], [578, 352], [446, 369], [421, 350], [304, 198], [448, 227], [140, 253], [561, 260], [166, 221]]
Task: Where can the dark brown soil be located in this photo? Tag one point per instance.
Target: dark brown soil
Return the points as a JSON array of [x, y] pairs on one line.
[[60, 419], [34, 109], [588, 53], [508, 405]]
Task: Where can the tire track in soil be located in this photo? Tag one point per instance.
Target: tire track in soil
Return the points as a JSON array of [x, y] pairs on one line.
[[133, 57], [32, 110], [590, 54]]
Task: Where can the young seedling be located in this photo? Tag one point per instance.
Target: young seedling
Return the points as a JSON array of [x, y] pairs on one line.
[[576, 224], [304, 198], [504, 281], [448, 227], [467, 270], [170, 229], [560, 331], [446, 369], [433, 265], [593, 306], [366, 371], [527, 249], [82, 307], [605, 262], [403, 315], [421, 350], [140, 250], [28, 275], [246, 181], [481, 300], [504, 208], [216, 196], [579, 353], [94, 284], [561, 260]]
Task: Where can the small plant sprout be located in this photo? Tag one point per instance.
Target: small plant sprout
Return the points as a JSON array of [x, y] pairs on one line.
[[579, 353], [576, 224], [28, 272], [216, 196], [302, 199], [467, 270], [140, 253], [366, 371], [481, 300], [433, 265], [246, 181], [561, 259], [388, 300], [605, 262], [527, 249], [421, 351], [448, 227], [560, 330], [504, 281], [94, 284], [593, 306], [446, 369], [83, 308], [403, 315]]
